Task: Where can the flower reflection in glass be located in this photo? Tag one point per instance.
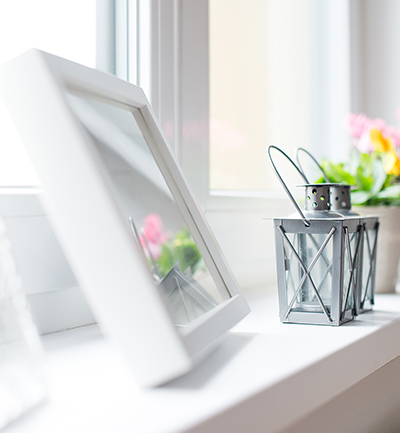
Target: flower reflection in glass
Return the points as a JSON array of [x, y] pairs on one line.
[[163, 248], [177, 268]]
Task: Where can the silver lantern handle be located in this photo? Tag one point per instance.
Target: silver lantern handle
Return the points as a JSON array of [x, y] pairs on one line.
[[304, 219], [316, 162]]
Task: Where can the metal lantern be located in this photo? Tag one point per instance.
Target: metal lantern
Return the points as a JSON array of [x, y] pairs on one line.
[[341, 202], [366, 294], [317, 253], [340, 193]]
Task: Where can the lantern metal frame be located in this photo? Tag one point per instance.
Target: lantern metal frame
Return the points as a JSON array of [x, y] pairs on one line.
[[367, 262], [342, 266], [343, 299], [366, 290]]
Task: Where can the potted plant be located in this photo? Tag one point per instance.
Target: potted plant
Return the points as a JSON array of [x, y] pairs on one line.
[[373, 169]]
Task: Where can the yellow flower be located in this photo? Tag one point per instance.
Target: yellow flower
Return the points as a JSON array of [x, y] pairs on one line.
[[380, 143], [392, 164], [385, 145]]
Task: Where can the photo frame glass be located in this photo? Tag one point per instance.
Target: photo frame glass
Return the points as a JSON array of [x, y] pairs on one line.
[[183, 276], [124, 213]]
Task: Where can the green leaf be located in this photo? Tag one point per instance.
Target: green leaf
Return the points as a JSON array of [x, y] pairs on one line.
[[360, 197], [320, 180], [188, 254], [391, 192], [379, 176], [166, 260], [354, 161], [367, 173], [336, 173], [362, 181], [182, 249], [365, 161]]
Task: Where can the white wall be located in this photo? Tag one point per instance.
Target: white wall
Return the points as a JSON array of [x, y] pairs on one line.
[[376, 58]]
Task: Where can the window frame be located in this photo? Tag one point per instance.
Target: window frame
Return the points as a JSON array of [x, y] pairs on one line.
[[173, 61], [176, 60]]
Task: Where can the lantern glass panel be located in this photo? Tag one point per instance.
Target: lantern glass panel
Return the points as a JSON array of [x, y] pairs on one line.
[[308, 247], [350, 259], [368, 270]]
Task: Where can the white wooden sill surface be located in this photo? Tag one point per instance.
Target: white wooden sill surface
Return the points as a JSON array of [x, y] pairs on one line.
[[262, 378]]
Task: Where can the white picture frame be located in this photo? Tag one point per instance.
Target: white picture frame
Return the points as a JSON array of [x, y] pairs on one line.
[[35, 88]]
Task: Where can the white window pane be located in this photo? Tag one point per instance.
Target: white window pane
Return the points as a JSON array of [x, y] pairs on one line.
[[259, 89], [64, 28]]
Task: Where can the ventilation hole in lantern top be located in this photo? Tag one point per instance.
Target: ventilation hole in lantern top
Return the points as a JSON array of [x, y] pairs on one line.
[[308, 198], [328, 204], [344, 204], [314, 191], [315, 204], [322, 198], [337, 198], [343, 192]]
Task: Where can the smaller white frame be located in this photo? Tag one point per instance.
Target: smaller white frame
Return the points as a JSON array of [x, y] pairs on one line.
[[34, 88]]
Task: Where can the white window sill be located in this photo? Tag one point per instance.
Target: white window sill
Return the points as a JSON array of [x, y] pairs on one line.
[[263, 377]]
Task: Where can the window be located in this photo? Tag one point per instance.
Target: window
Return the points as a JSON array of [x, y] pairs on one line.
[[220, 104], [259, 89], [241, 76], [67, 29]]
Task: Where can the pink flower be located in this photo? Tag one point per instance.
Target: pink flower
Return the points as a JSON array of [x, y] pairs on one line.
[[356, 124], [393, 133], [359, 124], [377, 124], [153, 229], [150, 249], [364, 144], [359, 127], [152, 236]]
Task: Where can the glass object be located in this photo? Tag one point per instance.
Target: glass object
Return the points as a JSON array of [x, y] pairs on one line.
[[21, 375], [321, 273], [148, 207], [106, 169], [351, 258], [368, 273]]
